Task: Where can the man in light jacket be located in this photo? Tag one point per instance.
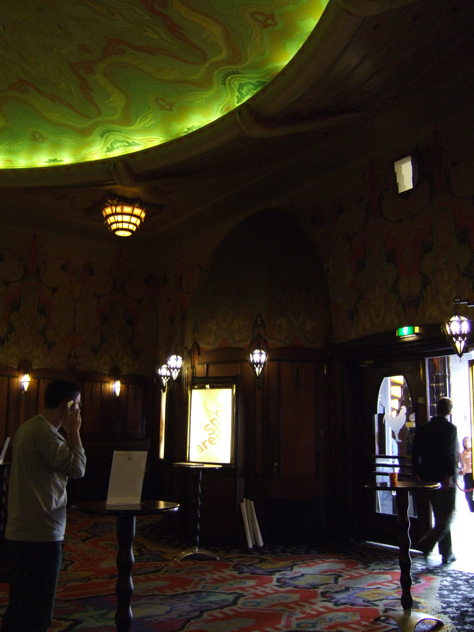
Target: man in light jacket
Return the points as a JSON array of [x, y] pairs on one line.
[[42, 462]]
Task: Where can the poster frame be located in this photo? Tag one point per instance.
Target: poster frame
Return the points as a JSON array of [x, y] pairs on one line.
[[199, 383]]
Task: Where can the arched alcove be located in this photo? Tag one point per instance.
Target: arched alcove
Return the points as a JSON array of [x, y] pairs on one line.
[[267, 265]]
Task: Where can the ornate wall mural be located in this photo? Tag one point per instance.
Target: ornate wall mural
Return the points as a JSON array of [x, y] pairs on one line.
[[401, 259], [88, 80], [102, 309]]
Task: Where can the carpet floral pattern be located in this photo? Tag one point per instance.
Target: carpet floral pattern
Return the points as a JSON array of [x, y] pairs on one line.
[[268, 589]]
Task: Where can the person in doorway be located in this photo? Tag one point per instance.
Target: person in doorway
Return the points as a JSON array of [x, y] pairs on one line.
[[435, 459], [42, 462], [466, 460]]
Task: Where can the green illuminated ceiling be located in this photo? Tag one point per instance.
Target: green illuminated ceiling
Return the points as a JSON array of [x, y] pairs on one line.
[[84, 80]]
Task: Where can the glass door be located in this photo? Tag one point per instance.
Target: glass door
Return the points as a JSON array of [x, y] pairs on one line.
[[395, 402], [394, 429]]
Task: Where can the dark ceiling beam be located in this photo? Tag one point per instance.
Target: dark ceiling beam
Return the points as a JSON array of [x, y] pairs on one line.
[[256, 126], [369, 8]]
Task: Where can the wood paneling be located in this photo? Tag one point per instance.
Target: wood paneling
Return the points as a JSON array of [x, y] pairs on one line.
[[108, 422], [280, 438], [298, 420]]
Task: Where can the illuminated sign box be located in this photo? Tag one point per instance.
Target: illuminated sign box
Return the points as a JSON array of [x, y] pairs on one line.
[[211, 424], [407, 332]]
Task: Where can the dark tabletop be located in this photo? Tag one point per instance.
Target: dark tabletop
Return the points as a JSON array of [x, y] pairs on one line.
[[144, 508], [410, 485], [197, 466]]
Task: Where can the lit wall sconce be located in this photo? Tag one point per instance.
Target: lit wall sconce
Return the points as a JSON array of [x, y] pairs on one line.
[[175, 362], [116, 386], [406, 172], [258, 359], [24, 375], [115, 382], [258, 349], [25, 381], [458, 328], [165, 374], [123, 217]]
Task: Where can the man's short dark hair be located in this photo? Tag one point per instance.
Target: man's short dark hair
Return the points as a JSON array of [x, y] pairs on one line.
[[59, 391], [444, 406]]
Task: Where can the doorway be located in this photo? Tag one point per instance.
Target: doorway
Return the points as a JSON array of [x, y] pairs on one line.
[[399, 396]]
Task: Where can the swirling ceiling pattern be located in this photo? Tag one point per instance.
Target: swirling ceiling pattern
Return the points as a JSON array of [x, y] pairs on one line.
[[83, 80]]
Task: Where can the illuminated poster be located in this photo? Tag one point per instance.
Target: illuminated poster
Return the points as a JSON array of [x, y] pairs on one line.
[[162, 425], [211, 425]]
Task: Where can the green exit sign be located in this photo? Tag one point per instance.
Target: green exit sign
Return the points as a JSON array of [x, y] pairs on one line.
[[406, 332]]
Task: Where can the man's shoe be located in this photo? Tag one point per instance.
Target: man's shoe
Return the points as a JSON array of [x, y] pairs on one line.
[[425, 553], [447, 559]]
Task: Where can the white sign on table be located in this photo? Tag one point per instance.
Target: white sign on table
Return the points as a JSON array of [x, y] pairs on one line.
[[126, 477]]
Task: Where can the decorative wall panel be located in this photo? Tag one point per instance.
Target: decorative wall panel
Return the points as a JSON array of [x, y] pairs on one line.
[[69, 303]]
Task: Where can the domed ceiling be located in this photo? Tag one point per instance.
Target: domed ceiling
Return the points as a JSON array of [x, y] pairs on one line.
[[86, 80]]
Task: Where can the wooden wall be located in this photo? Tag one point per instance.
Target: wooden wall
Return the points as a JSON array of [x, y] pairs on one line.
[[108, 422], [282, 447]]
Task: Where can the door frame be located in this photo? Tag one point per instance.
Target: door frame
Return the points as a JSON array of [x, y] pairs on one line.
[[364, 363]]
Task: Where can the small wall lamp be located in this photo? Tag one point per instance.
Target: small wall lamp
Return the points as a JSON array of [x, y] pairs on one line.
[[175, 362], [165, 374], [25, 381], [116, 386], [24, 375], [458, 328]]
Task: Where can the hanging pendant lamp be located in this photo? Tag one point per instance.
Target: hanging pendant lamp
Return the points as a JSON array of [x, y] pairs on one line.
[[123, 217]]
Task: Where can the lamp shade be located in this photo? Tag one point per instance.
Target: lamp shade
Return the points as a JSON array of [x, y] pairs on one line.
[[258, 358], [123, 217], [164, 373], [175, 362], [457, 330]]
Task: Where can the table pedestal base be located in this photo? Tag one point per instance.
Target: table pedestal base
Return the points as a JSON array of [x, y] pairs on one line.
[[197, 554], [408, 620]]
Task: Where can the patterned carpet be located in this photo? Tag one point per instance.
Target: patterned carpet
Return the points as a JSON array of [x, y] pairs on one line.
[[265, 590]]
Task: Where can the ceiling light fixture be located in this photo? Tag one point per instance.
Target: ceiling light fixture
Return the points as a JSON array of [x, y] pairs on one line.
[[123, 217]]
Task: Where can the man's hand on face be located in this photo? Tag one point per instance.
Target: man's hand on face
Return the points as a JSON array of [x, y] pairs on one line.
[[72, 419]]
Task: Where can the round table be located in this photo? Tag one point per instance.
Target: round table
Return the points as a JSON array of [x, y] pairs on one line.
[[408, 620], [197, 467], [126, 520]]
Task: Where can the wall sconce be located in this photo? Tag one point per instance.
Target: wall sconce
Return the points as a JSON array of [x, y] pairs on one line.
[[165, 374], [175, 362], [258, 359], [406, 172], [116, 386], [258, 349], [458, 328], [24, 375], [25, 381], [123, 217]]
